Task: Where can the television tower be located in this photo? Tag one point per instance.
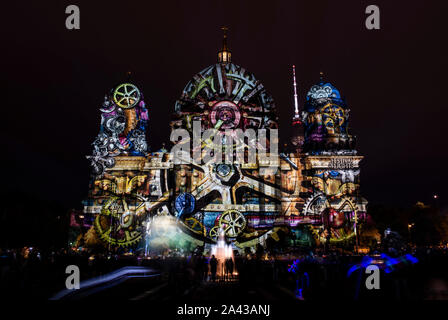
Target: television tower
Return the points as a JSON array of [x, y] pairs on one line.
[[297, 138], [296, 104]]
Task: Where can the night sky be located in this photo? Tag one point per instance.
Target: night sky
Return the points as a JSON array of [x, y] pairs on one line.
[[54, 80]]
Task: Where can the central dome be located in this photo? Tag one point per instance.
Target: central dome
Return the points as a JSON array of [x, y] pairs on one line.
[[225, 96]]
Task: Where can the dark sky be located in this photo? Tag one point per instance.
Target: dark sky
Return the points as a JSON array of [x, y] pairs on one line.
[[54, 80]]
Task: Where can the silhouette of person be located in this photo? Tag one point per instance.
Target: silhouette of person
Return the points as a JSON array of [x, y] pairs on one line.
[[213, 267], [229, 268]]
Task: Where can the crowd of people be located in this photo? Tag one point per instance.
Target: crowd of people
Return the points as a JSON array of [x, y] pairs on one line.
[[34, 273]]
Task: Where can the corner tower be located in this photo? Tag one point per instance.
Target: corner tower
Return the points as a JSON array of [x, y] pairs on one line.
[[332, 166]]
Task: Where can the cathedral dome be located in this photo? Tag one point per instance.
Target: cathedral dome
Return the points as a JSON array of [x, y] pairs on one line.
[[323, 93], [323, 90], [325, 119], [226, 95]]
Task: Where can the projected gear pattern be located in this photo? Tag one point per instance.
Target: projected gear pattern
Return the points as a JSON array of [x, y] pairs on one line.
[[117, 224], [124, 120], [126, 95], [232, 222], [227, 180], [225, 97], [229, 93], [120, 223], [337, 218]]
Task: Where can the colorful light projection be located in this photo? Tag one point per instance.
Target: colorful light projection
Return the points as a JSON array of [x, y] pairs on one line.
[[316, 186], [117, 198], [333, 203], [228, 196], [325, 119], [124, 119]]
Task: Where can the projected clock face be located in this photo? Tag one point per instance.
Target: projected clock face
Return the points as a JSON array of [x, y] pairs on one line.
[[184, 204], [223, 169], [227, 113]]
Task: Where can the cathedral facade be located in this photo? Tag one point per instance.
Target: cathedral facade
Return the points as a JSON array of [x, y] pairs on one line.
[[224, 172]]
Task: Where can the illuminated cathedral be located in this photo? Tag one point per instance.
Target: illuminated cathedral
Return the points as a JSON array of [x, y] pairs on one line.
[[307, 191]]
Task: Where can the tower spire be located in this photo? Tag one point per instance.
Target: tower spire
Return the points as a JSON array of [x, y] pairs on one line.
[[296, 104], [224, 40], [224, 55]]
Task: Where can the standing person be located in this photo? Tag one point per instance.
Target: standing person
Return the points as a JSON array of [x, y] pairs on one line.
[[200, 268], [238, 265], [205, 267], [226, 269], [213, 267], [230, 267]]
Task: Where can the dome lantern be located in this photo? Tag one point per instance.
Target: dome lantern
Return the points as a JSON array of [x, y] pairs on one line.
[[224, 55]]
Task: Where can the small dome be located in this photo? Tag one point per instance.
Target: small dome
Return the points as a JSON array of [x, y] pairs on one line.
[[323, 90]]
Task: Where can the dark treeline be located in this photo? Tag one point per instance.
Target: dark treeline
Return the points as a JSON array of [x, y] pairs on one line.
[[27, 220], [420, 224]]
